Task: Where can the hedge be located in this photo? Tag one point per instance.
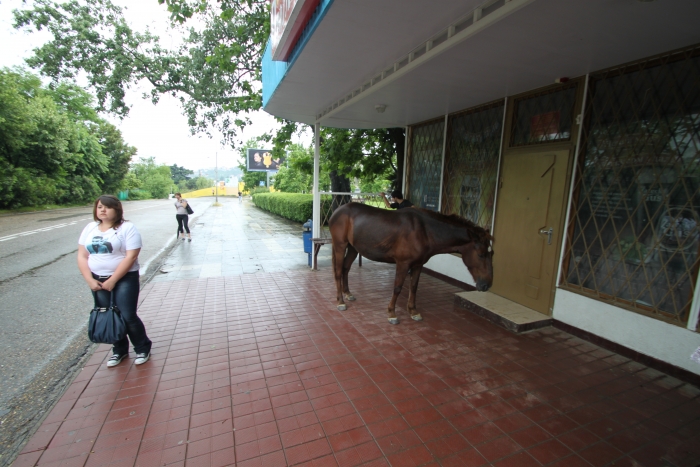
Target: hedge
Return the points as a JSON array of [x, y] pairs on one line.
[[293, 206]]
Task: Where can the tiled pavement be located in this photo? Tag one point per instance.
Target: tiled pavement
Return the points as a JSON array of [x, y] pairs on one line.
[[253, 366]]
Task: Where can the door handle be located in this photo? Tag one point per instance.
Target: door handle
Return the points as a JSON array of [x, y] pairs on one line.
[[548, 233]]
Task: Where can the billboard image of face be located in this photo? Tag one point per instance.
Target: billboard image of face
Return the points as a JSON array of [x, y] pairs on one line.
[[260, 160]]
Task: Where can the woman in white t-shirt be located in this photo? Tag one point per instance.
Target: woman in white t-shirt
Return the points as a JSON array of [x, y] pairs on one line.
[[108, 252]]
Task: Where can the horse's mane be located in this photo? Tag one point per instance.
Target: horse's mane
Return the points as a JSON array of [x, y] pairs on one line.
[[480, 234]]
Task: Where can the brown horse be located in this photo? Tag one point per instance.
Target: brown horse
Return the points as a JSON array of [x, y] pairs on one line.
[[407, 238]]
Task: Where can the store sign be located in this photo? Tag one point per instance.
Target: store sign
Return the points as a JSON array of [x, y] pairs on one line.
[[287, 20]]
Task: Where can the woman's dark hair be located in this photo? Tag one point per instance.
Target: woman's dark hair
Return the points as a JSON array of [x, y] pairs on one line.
[[397, 194], [112, 202], [178, 194]]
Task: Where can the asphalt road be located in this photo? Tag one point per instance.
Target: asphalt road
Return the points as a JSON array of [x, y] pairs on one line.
[[44, 304]]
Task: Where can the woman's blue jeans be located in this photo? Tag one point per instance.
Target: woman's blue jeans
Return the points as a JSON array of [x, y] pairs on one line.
[[126, 297]]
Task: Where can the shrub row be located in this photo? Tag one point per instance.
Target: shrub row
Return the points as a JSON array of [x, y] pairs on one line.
[[293, 206]]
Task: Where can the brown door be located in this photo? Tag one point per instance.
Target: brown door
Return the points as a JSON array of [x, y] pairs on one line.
[[527, 233]]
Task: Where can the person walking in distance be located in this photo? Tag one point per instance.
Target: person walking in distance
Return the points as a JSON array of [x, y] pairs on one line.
[[108, 252], [183, 219], [240, 197]]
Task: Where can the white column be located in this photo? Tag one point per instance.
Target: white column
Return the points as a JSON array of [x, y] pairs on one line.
[[317, 196]]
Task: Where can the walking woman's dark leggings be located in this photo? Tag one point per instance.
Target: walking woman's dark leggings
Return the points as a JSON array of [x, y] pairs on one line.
[[182, 220], [126, 297]]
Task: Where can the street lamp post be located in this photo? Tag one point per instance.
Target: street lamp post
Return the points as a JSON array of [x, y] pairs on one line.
[[216, 175]]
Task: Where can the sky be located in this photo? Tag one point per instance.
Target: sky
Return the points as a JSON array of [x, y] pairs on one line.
[[158, 131]]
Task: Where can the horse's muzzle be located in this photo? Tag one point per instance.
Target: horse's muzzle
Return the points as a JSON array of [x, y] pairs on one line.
[[482, 286]]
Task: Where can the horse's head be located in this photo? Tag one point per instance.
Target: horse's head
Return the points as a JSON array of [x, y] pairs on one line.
[[476, 256]]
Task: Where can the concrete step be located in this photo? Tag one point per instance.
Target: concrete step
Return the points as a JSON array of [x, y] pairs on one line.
[[501, 311]]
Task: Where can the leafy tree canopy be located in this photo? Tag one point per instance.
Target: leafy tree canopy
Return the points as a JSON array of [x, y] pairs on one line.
[[179, 174], [215, 72]]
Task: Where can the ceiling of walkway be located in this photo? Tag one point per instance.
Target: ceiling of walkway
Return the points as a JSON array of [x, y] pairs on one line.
[[526, 49]]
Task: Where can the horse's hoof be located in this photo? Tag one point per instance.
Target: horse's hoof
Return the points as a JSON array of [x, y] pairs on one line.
[[342, 307], [417, 317], [393, 320], [350, 298]]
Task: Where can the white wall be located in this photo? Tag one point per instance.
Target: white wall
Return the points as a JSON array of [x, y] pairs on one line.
[[649, 336], [451, 266]]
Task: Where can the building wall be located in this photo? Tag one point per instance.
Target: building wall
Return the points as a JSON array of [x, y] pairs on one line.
[[657, 339]]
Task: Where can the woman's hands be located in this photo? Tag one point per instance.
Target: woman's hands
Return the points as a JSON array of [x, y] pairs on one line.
[[94, 284], [107, 285]]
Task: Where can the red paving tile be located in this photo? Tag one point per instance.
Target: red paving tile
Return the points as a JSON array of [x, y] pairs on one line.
[[261, 370]]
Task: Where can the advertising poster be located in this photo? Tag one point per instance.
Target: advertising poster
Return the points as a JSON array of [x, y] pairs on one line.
[[260, 160]]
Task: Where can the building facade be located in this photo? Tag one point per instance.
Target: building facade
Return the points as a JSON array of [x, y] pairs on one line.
[[571, 129]]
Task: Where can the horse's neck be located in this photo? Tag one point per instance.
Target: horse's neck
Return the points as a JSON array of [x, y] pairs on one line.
[[448, 238]]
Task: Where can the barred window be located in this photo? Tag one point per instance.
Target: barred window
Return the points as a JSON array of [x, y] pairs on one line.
[[471, 163], [633, 237], [425, 161]]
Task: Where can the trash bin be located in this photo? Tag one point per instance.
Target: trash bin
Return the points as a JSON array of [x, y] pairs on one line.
[[306, 235]]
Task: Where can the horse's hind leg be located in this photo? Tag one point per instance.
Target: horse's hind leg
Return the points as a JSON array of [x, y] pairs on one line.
[[415, 277], [401, 271], [338, 259], [350, 256]]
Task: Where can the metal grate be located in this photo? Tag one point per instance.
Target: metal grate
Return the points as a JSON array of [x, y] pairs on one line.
[[544, 117], [633, 237], [471, 163], [425, 159]]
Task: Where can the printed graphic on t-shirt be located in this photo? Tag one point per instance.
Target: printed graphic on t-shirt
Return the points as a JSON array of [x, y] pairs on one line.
[[99, 246]]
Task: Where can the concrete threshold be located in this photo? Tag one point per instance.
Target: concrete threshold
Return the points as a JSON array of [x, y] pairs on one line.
[[501, 311]]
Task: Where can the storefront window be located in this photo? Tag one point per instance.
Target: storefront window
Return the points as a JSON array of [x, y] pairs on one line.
[[471, 163], [425, 164], [634, 234], [544, 117]]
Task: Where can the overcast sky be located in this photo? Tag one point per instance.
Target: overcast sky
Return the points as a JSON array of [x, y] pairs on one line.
[[159, 130]]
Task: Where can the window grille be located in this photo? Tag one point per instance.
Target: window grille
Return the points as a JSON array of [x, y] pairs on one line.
[[633, 235], [471, 163], [425, 161], [544, 117]]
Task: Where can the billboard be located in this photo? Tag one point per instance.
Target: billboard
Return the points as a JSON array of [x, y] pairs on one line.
[[260, 160]]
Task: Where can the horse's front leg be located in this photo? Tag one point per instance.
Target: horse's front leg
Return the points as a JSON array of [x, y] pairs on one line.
[[401, 271], [415, 277], [350, 256], [338, 260]]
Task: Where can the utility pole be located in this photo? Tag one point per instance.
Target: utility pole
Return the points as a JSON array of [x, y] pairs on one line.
[[216, 175]]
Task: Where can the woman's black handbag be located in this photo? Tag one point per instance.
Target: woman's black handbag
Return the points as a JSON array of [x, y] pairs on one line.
[[106, 325], [189, 209]]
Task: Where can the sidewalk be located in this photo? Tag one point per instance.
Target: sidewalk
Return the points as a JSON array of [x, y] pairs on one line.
[[252, 365]]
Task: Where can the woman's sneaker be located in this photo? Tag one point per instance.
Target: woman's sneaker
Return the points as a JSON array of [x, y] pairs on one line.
[[142, 358], [115, 359]]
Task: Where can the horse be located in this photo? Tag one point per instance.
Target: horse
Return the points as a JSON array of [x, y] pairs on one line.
[[408, 238]]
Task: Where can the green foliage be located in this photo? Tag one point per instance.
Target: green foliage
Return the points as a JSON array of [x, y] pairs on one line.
[[215, 73], [179, 174], [153, 178], [137, 194], [292, 179], [53, 148], [294, 206]]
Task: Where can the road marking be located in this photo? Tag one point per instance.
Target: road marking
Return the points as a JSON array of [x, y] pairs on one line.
[[43, 229], [58, 226]]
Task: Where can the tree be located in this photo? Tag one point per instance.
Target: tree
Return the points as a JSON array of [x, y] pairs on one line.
[[215, 72], [179, 174], [118, 153], [296, 176], [153, 178]]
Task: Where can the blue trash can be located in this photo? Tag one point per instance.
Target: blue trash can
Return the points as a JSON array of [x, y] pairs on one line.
[[307, 235]]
